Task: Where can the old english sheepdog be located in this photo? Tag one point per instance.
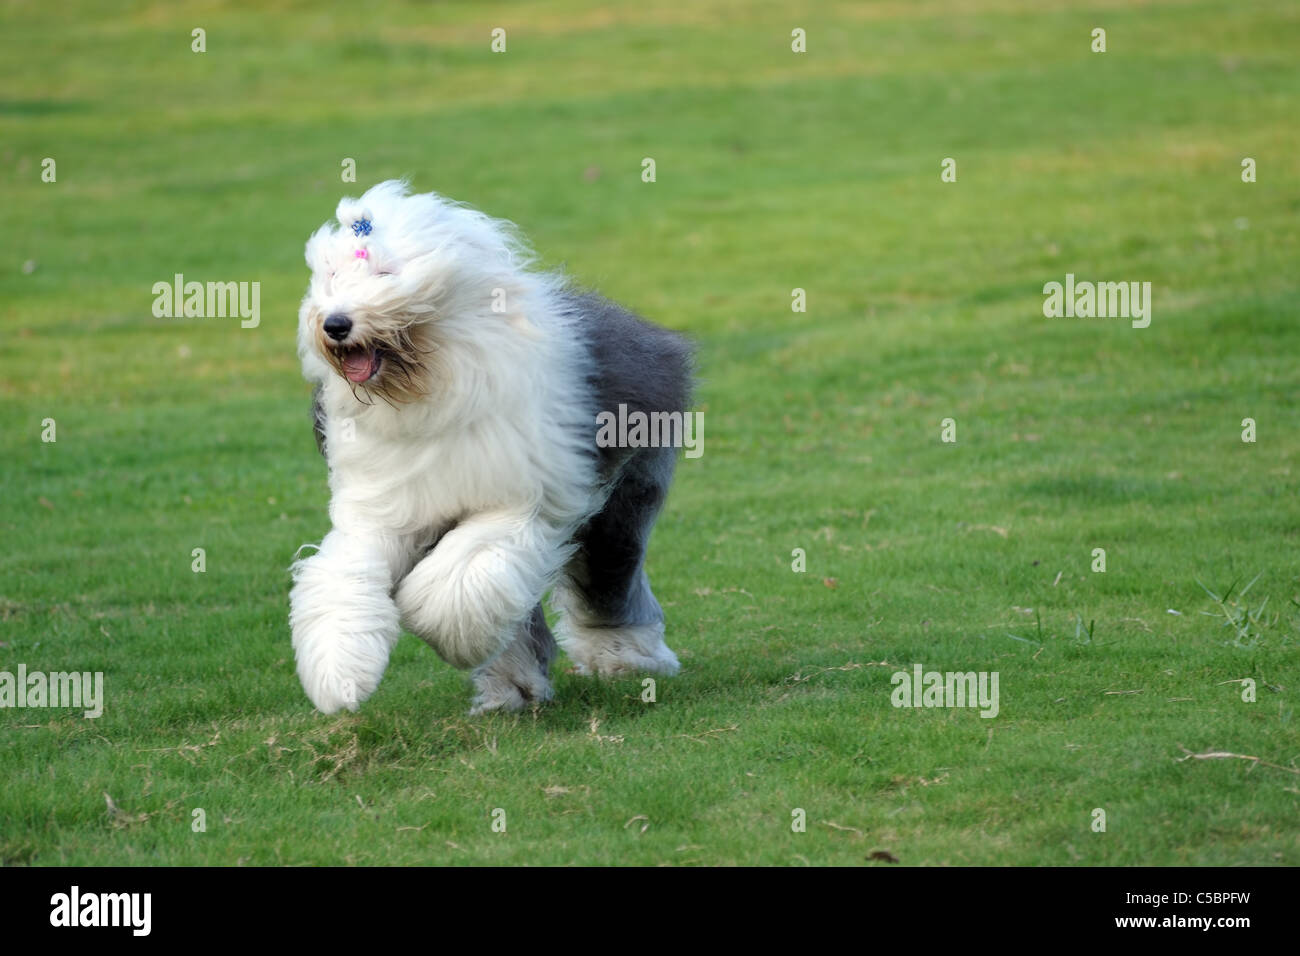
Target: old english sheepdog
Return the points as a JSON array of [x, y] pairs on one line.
[[456, 404]]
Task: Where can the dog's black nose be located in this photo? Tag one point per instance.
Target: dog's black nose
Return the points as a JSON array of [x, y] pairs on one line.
[[337, 326]]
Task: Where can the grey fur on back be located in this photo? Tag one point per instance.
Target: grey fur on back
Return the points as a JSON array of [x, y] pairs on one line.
[[635, 363]]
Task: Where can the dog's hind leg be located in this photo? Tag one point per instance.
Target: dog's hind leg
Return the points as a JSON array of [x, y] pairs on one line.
[[517, 677], [610, 622]]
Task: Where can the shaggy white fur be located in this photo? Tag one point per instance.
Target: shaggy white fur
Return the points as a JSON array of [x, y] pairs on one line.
[[456, 413]]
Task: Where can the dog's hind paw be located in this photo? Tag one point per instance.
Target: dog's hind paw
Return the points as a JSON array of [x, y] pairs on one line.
[[512, 681], [618, 652], [496, 693]]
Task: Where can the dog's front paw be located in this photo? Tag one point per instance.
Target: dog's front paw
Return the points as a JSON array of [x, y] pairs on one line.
[[344, 627], [464, 612], [339, 672], [331, 693]]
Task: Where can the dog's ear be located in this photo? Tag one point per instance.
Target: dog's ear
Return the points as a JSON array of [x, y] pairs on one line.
[[514, 311], [523, 325]]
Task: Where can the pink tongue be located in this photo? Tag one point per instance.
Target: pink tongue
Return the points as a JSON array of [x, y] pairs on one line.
[[359, 366]]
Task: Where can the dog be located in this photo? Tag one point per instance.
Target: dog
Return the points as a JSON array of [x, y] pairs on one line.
[[457, 395]]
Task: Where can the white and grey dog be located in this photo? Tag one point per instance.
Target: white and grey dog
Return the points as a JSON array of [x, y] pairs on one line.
[[456, 405]]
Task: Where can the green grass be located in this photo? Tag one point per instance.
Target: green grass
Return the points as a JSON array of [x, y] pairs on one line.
[[775, 171]]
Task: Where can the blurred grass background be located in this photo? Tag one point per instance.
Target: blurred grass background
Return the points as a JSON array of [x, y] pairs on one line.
[[775, 170]]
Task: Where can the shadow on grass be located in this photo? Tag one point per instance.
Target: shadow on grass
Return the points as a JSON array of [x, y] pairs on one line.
[[41, 107]]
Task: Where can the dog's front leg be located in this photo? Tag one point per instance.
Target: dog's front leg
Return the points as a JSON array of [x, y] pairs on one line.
[[468, 597], [343, 618]]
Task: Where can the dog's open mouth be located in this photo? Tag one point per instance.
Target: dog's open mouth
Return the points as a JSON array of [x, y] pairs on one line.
[[360, 364]]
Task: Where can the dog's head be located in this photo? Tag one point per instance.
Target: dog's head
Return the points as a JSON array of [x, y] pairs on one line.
[[395, 268]]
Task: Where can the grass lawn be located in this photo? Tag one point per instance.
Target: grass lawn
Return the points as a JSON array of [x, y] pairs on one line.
[[774, 171]]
